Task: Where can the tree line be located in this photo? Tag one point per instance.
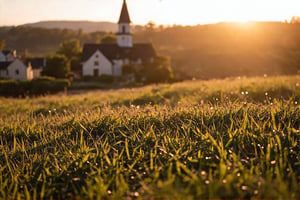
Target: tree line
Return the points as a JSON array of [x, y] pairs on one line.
[[202, 51]]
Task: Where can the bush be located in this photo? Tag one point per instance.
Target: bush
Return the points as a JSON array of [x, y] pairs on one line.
[[102, 79], [158, 71], [57, 66], [40, 86]]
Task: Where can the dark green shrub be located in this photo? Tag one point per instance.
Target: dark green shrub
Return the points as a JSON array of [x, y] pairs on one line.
[[102, 79], [40, 86]]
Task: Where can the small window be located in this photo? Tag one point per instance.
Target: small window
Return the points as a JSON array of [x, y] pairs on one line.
[[17, 72], [97, 55], [7, 72], [123, 29], [96, 63]]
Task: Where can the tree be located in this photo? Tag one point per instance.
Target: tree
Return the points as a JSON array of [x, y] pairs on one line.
[[70, 49], [76, 64], [128, 69], [2, 44], [57, 66], [109, 39], [295, 20], [159, 70], [150, 26]]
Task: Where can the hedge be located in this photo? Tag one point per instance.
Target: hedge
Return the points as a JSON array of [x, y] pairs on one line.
[[40, 86]]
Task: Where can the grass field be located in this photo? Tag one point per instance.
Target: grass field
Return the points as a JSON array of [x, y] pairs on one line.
[[234, 138]]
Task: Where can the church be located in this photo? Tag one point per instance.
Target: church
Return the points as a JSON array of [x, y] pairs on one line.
[[108, 59]]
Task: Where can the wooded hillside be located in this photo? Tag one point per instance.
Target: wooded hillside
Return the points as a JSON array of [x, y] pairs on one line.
[[208, 51]]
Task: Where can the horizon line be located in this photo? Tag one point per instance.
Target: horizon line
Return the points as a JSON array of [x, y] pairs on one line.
[[137, 24]]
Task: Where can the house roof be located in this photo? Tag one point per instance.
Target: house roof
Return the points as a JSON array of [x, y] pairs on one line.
[[4, 65], [114, 52], [124, 17], [37, 63], [5, 52]]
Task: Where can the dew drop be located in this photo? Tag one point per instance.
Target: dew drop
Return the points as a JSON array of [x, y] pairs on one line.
[[244, 187], [76, 179], [273, 162], [207, 182]]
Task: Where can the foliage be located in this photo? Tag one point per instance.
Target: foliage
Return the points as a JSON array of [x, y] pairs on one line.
[[185, 145], [71, 49], [2, 44], [40, 86], [109, 39], [206, 51], [295, 20], [57, 66], [76, 64], [159, 70], [103, 78], [128, 69], [42, 41]]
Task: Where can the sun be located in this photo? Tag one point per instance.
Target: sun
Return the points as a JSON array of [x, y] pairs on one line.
[[213, 11]]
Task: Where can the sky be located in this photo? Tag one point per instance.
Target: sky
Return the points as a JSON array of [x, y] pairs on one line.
[[167, 12]]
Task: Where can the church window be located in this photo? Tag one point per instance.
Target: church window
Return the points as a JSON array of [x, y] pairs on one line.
[[96, 63], [123, 29], [17, 72], [97, 55]]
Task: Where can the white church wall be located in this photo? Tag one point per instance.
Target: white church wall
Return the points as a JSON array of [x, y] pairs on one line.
[[97, 61]]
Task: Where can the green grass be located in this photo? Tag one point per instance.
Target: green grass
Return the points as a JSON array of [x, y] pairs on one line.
[[235, 138]]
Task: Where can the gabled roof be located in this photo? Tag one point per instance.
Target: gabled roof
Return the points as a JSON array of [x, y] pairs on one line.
[[5, 52], [124, 17], [37, 63], [114, 52], [4, 65]]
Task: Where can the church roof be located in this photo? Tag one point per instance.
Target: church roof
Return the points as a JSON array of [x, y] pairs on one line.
[[114, 52], [124, 17]]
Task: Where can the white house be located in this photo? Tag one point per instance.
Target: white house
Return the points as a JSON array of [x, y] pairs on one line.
[[108, 59], [16, 70], [37, 65]]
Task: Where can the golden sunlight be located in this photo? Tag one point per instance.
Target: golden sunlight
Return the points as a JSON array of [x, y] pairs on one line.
[[203, 12]]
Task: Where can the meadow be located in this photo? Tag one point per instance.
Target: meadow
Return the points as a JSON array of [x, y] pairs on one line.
[[230, 138]]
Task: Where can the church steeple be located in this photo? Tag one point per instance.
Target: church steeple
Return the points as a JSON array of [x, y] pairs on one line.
[[124, 37], [124, 17]]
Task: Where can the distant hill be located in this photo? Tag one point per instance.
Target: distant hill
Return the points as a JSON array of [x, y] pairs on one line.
[[86, 26]]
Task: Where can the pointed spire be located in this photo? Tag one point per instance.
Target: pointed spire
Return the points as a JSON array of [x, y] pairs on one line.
[[124, 17]]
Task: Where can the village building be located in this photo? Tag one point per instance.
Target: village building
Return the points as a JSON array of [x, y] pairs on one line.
[[108, 59], [16, 70], [7, 55], [37, 65], [11, 67]]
